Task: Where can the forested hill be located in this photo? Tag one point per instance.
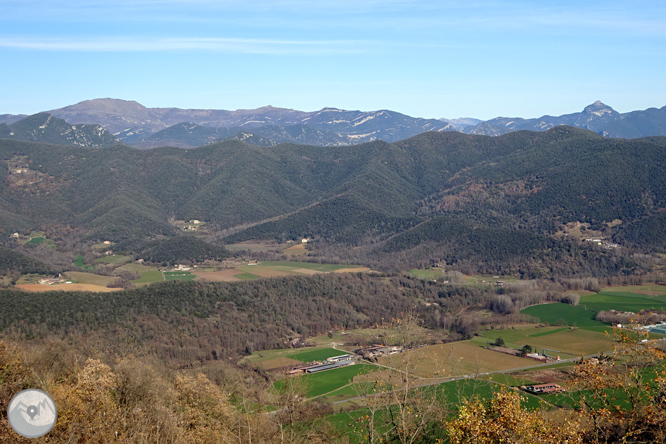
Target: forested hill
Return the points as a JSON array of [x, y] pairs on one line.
[[44, 127], [232, 318], [354, 195]]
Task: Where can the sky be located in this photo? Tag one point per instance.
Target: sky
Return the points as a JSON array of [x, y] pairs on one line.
[[430, 59]]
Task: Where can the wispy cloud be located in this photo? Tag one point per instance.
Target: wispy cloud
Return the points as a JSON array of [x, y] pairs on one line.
[[224, 45]]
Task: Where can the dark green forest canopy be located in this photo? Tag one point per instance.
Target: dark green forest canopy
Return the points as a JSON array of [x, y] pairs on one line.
[[231, 316], [182, 248], [14, 261]]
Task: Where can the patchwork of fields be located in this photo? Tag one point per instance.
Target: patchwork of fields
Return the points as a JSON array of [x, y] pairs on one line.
[[628, 298], [149, 274]]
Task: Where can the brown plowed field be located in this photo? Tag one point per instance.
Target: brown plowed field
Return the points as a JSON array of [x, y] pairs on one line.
[[218, 276], [353, 270], [305, 271], [66, 287]]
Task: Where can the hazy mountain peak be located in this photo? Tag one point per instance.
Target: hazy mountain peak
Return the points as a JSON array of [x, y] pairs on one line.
[[108, 105], [599, 108], [44, 127]]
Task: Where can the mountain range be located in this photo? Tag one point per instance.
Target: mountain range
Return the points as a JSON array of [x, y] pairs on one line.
[[598, 117], [141, 127], [44, 127]]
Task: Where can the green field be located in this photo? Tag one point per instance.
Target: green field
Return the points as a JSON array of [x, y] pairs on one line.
[[449, 394], [632, 299], [178, 276], [327, 381], [137, 268], [90, 278], [320, 354], [330, 380], [113, 259], [623, 300], [79, 261], [39, 237], [564, 314], [148, 277], [429, 273]]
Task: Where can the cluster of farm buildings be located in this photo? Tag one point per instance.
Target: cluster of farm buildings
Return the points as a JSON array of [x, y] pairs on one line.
[[346, 359], [331, 363], [542, 389]]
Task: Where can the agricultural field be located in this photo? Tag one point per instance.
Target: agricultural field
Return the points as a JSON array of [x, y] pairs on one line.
[[149, 277], [296, 250], [428, 273], [113, 259], [90, 278], [268, 269], [298, 355], [37, 238], [627, 298], [229, 275], [246, 276], [79, 261], [454, 359], [331, 380], [437, 273], [102, 246], [65, 287], [137, 267], [565, 315], [448, 394], [634, 299], [178, 276], [257, 246], [316, 355], [565, 342]]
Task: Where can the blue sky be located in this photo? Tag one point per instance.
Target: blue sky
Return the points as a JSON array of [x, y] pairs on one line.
[[423, 58]]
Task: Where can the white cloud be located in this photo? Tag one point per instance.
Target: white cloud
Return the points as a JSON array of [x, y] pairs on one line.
[[153, 44]]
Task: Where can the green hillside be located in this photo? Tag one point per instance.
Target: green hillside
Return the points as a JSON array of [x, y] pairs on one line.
[[470, 198]]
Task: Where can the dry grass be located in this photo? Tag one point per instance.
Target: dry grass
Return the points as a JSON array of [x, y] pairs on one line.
[[575, 342], [217, 276], [280, 362], [353, 270], [454, 359], [90, 278], [296, 250], [65, 287], [263, 271]]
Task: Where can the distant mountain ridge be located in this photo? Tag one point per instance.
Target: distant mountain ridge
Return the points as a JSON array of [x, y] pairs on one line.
[[134, 123], [131, 123], [46, 128], [597, 117]]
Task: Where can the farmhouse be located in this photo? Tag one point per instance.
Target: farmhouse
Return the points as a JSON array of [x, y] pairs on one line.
[[538, 357], [377, 350], [51, 281], [302, 368], [544, 388], [338, 358], [319, 368]]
